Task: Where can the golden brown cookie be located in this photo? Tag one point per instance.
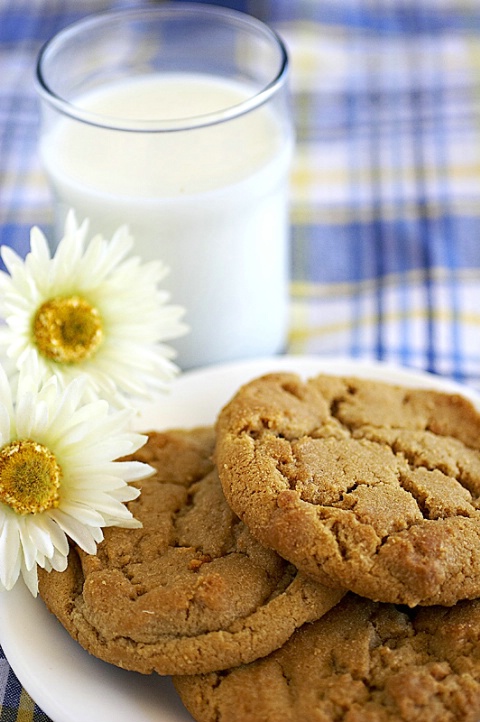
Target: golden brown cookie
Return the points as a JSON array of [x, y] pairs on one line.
[[364, 661], [360, 484], [191, 591]]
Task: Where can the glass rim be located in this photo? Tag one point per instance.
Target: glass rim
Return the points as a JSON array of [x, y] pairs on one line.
[[233, 17]]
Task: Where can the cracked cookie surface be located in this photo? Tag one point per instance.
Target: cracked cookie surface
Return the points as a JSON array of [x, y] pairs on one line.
[[359, 483], [364, 661], [191, 591]]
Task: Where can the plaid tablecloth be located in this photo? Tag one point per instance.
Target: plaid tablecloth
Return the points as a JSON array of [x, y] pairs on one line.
[[386, 180]]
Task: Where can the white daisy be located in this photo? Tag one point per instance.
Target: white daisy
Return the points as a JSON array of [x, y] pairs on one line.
[[59, 474], [91, 310]]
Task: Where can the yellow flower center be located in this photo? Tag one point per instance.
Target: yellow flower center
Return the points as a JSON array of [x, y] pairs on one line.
[[29, 477], [67, 330]]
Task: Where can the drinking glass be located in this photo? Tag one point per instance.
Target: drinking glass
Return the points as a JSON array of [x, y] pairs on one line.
[[175, 120]]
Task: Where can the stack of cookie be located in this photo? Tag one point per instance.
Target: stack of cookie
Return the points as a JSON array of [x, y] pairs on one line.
[[314, 558]]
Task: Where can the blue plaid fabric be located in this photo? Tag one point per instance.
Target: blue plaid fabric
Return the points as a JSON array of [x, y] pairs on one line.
[[385, 183]]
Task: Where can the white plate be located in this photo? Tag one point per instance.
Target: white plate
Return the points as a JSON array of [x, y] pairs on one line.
[[65, 681]]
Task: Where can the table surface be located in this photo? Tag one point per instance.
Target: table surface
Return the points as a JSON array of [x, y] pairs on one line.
[[385, 183]]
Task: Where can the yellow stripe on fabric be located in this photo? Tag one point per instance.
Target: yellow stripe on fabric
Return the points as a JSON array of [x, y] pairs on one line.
[[26, 708], [310, 289], [300, 332], [302, 213], [305, 211], [323, 177]]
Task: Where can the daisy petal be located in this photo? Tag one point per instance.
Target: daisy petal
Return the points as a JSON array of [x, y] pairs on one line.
[[81, 534], [30, 577], [10, 552], [124, 294]]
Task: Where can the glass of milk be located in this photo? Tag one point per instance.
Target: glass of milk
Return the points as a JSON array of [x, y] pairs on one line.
[[175, 120]]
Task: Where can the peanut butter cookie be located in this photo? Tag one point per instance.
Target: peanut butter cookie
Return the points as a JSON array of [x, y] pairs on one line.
[[192, 591], [364, 661], [361, 484]]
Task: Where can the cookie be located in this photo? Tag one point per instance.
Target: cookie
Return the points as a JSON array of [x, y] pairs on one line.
[[191, 591], [364, 661], [360, 484]]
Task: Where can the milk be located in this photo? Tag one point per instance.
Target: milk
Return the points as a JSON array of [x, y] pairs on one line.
[[210, 202]]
